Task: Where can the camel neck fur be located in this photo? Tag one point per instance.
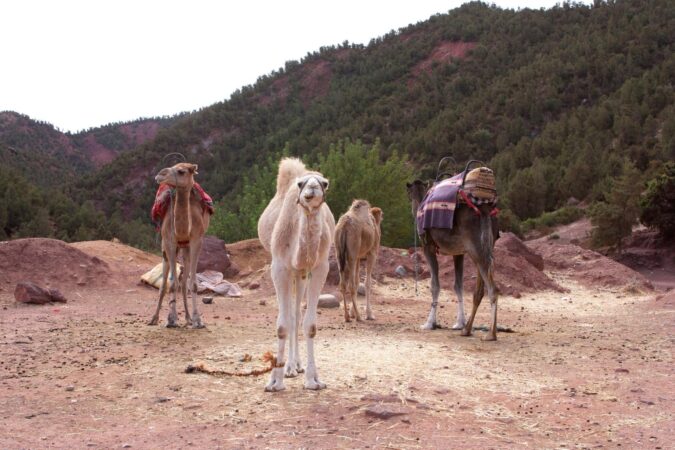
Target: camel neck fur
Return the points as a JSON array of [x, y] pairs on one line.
[[309, 238], [182, 219]]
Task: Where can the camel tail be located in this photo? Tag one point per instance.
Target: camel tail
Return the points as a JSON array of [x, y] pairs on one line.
[[486, 237], [341, 249], [289, 170]]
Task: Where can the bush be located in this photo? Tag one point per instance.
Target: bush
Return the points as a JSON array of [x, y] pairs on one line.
[[562, 216], [657, 204]]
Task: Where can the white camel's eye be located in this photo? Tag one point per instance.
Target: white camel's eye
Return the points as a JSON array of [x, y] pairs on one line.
[[324, 184], [181, 172]]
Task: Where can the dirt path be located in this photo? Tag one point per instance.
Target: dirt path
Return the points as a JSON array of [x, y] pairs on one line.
[[588, 368]]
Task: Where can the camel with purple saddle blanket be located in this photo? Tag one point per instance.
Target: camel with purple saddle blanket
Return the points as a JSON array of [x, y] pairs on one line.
[[457, 216]]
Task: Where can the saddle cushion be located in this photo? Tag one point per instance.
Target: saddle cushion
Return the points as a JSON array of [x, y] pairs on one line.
[[163, 199], [437, 210]]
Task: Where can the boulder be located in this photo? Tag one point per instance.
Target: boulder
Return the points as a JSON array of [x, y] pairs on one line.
[[29, 292], [328, 301], [214, 257]]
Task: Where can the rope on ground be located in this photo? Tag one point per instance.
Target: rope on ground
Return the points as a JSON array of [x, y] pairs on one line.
[[268, 357]]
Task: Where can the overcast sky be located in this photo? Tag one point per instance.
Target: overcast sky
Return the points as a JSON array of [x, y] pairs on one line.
[[81, 64]]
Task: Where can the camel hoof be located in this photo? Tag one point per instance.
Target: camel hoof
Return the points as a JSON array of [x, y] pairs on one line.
[[347, 319], [465, 332], [458, 326], [428, 326], [198, 325], [314, 385], [171, 325], [153, 321], [273, 386], [489, 337], [370, 317], [289, 372]]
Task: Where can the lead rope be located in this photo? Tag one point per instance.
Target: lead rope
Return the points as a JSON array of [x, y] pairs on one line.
[[415, 254]]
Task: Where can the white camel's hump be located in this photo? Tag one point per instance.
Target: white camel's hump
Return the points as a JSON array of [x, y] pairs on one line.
[[289, 170]]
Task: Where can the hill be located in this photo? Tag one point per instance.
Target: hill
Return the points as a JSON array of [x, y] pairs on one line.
[[556, 101], [32, 147]]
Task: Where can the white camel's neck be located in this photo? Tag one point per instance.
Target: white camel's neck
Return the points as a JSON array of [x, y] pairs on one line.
[[309, 240]]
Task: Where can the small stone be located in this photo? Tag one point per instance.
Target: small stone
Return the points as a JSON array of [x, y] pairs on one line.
[[361, 290], [126, 446], [328, 301], [70, 388], [400, 271], [253, 286], [386, 412], [263, 302], [207, 300]]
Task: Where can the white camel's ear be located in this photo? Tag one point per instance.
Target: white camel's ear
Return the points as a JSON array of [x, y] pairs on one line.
[[324, 183], [299, 182]]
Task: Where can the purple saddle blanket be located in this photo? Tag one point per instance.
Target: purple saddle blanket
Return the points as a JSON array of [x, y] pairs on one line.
[[437, 210]]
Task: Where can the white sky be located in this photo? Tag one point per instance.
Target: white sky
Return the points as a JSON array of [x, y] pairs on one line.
[[84, 63]]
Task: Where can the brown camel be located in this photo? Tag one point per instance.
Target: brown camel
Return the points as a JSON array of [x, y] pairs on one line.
[[357, 237], [473, 234], [183, 228]]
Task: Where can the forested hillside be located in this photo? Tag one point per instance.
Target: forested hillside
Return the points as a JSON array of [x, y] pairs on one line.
[[559, 102]]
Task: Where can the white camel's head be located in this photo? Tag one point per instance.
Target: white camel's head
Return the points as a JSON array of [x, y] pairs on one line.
[[311, 190], [180, 175]]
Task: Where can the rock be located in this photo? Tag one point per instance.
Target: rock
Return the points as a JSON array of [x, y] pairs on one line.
[[510, 242], [361, 290], [214, 257], [386, 411], [263, 302], [29, 292], [253, 286], [328, 301], [207, 300], [400, 271]]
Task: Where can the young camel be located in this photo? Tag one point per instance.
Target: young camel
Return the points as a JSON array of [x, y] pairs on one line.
[[297, 229], [183, 228], [357, 236], [473, 235]]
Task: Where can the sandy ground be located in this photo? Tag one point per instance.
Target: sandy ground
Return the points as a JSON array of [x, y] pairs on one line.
[[589, 368]]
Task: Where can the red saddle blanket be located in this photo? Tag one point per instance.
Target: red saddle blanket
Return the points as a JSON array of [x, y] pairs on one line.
[[163, 198]]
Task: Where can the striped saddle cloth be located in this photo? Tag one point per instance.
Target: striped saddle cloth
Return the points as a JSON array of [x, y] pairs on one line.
[[437, 210]]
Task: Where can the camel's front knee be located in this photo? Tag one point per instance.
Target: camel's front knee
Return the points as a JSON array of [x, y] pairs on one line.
[[310, 331], [282, 332]]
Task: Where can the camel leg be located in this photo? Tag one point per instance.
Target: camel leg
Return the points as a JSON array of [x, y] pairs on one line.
[[432, 261], [345, 287], [487, 274], [293, 363], [309, 324], [183, 278], [355, 279], [172, 319], [162, 290], [459, 291], [195, 249], [282, 284], [477, 298], [370, 264]]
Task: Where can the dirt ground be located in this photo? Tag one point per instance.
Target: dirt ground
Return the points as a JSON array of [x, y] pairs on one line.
[[591, 367]]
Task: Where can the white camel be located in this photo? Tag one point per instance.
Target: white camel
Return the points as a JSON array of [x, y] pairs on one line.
[[297, 229]]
